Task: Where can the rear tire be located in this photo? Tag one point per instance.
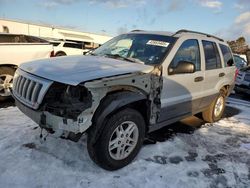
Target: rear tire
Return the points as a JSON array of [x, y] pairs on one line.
[[6, 80], [120, 140], [216, 108]]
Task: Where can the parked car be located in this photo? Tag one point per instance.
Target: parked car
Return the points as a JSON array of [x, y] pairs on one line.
[[63, 48], [14, 50], [242, 83], [239, 62], [120, 93]]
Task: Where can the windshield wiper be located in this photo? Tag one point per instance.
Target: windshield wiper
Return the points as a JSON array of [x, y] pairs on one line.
[[130, 59]]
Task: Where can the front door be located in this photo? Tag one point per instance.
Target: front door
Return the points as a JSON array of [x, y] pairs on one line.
[[181, 93]]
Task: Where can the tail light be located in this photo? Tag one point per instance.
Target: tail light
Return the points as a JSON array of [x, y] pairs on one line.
[[52, 54], [236, 74]]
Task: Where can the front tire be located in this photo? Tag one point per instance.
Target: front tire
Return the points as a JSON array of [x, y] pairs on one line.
[[6, 81], [216, 108], [120, 140]]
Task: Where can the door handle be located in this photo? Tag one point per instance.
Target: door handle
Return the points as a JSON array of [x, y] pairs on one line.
[[221, 74], [199, 79]]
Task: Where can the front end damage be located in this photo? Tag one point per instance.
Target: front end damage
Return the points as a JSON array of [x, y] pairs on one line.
[[67, 111]]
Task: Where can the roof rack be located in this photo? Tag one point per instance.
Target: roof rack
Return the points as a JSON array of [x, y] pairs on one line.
[[196, 32]]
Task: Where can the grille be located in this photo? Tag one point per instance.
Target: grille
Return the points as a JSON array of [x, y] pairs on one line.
[[29, 89]]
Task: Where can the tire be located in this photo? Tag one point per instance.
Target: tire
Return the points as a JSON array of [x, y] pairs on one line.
[[216, 108], [105, 153], [60, 54], [6, 79]]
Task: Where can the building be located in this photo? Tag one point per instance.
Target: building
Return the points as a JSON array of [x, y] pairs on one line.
[[90, 40]]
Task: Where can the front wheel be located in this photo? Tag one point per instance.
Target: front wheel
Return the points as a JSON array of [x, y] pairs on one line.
[[6, 81], [120, 140], [216, 108]]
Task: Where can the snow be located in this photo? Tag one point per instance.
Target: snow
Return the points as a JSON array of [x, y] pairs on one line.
[[214, 155]]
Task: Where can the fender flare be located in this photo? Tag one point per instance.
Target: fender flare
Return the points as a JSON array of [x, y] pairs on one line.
[[109, 104]]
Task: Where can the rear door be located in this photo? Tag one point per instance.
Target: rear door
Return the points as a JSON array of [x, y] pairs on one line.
[[214, 71]]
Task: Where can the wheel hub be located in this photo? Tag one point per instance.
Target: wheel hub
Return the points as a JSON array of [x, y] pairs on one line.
[[219, 106], [6, 82], [123, 140]]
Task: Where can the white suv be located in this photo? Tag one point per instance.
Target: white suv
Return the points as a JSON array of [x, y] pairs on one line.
[[14, 50], [63, 48], [132, 85]]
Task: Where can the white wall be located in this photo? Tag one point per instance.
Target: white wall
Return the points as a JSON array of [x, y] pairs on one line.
[[17, 27]]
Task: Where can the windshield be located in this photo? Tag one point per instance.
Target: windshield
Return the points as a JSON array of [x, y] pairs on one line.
[[143, 48]]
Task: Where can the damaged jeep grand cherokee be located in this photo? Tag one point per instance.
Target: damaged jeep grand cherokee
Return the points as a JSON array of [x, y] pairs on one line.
[[132, 85]]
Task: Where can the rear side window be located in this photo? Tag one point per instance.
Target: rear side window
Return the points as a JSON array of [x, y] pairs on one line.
[[55, 43], [9, 39], [189, 51], [20, 39], [227, 55], [212, 56], [74, 45]]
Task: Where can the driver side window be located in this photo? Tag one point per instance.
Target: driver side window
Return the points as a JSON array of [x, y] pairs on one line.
[[189, 51]]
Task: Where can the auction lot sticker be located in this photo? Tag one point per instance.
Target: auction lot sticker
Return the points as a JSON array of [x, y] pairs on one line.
[[158, 43]]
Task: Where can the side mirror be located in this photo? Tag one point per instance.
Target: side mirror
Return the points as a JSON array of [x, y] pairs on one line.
[[182, 68]]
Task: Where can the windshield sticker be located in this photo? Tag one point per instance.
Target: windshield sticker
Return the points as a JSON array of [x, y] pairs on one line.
[[158, 43]]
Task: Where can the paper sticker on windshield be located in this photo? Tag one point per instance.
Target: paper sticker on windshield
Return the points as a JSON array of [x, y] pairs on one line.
[[158, 43]]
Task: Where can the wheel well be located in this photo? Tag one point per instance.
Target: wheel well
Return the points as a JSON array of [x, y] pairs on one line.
[[60, 52], [9, 65], [142, 107], [226, 89], [104, 111]]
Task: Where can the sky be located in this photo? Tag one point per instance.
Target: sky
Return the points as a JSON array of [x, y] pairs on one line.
[[229, 19]]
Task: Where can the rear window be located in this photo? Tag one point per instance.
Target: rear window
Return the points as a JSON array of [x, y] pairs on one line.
[[227, 55], [239, 62], [212, 56]]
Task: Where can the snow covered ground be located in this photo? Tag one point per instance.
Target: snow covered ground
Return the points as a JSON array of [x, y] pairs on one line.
[[214, 155]]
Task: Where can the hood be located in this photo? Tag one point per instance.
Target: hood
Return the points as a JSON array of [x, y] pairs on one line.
[[76, 69]]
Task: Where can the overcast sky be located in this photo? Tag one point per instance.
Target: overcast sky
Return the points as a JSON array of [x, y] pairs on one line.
[[226, 18]]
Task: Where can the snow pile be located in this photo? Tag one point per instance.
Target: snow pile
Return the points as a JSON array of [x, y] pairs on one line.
[[215, 155]]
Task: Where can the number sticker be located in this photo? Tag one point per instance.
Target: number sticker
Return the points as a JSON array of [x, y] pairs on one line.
[[158, 43]]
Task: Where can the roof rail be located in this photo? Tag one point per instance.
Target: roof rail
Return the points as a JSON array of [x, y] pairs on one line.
[[136, 30], [196, 32]]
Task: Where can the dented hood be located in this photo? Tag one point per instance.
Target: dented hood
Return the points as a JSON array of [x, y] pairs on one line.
[[76, 69]]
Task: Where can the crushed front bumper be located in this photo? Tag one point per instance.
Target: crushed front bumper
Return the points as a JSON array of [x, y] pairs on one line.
[[58, 125]]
